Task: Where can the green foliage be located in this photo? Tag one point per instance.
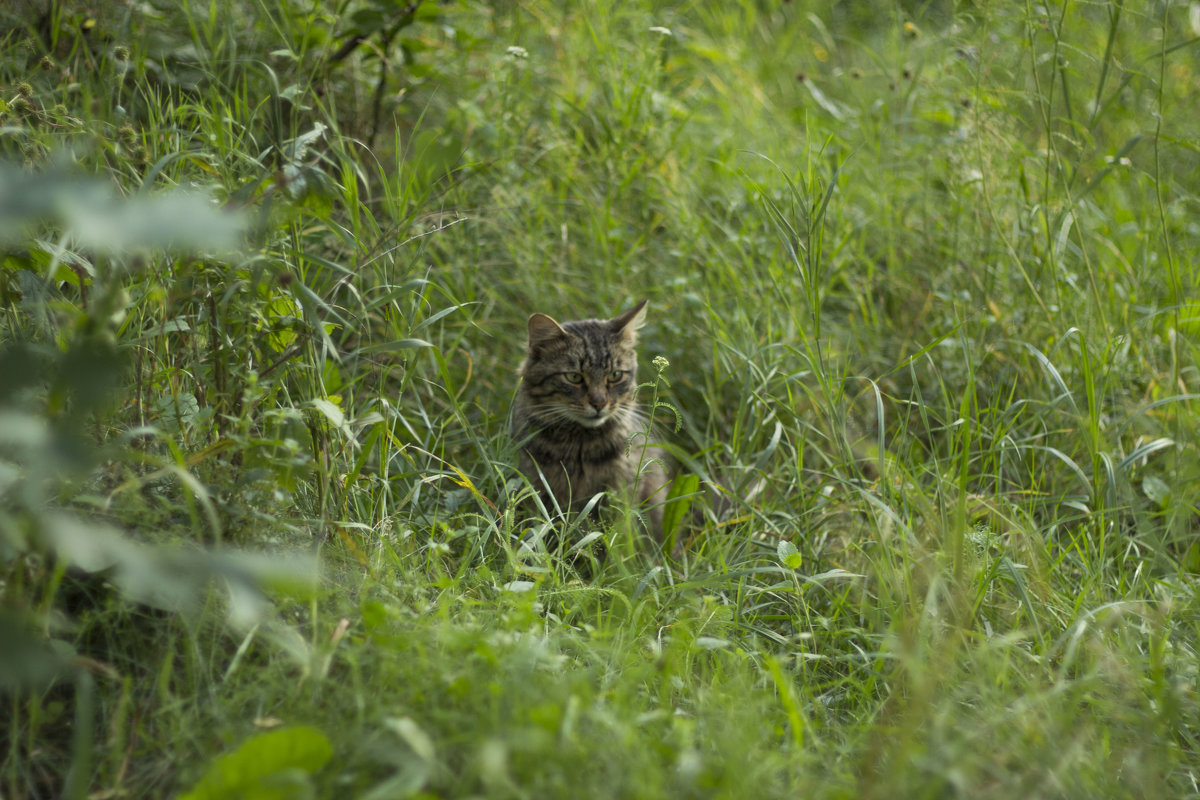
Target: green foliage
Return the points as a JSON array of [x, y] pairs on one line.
[[923, 273], [679, 500], [269, 766]]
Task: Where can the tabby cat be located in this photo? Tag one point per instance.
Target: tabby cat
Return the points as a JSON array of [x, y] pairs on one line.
[[576, 417]]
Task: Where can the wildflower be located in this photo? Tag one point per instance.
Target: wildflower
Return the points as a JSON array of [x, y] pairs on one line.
[[911, 31], [518, 53], [660, 363]]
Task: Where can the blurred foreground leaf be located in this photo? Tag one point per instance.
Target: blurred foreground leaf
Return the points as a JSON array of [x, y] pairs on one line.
[[92, 214], [25, 659], [174, 578], [272, 765]]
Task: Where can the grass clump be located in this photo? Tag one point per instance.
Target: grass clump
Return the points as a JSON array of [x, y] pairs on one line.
[[922, 278]]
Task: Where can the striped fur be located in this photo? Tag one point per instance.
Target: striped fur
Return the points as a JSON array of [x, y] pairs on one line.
[[576, 415]]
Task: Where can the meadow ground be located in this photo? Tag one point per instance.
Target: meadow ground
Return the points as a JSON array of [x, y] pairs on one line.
[[923, 277]]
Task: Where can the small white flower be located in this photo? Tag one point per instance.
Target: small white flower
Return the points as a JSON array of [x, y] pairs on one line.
[[519, 53], [660, 363], [661, 31]]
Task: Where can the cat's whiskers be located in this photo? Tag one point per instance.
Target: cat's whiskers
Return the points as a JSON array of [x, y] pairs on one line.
[[551, 412]]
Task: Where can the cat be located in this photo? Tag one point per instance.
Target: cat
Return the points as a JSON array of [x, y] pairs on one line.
[[576, 417]]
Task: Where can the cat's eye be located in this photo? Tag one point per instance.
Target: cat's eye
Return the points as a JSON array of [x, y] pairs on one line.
[[573, 377], [616, 376]]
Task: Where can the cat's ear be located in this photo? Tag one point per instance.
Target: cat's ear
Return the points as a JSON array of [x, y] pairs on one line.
[[626, 324], [543, 330]]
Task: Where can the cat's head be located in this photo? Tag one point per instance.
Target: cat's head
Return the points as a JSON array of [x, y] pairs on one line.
[[584, 372]]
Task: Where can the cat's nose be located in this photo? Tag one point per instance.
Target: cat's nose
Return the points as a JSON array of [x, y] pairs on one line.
[[597, 402]]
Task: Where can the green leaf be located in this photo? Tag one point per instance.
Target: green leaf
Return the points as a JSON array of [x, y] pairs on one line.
[[427, 11], [435, 317], [711, 643], [173, 579], [331, 412], [271, 766], [789, 555], [26, 659], [680, 497], [176, 220], [366, 21], [396, 344], [21, 367], [412, 734], [1157, 490], [180, 410]]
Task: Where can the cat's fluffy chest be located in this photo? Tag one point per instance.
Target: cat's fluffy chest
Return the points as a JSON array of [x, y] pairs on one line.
[[576, 462]]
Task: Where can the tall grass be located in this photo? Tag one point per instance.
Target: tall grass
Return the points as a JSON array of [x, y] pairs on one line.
[[923, 278]]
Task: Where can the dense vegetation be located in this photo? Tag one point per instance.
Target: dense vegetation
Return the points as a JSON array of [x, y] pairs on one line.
[[924, 279]]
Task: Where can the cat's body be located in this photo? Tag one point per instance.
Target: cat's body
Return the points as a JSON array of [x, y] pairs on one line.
[[576, 417]]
